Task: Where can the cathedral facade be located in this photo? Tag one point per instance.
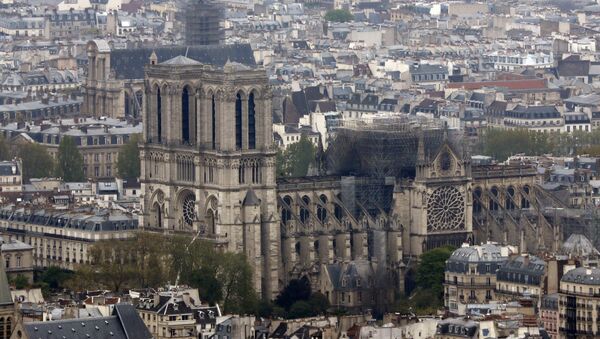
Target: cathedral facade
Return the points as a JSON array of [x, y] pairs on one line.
[[208, 169], [208, 162]]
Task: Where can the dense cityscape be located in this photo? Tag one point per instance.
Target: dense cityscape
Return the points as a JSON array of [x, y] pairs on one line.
[[317, 169]]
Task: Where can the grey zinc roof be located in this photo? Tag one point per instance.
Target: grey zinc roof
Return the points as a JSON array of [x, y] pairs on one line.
[[5, 296], [583, 275], [125, 323], [6, 168], [251, 199], [475, 254], [578, 245], [129, 63], [180, 60]]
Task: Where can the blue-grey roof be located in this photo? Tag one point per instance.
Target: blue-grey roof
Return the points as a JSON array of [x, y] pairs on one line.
[[524, 269], [583, 275], [125, 323], [486, 254], [129, 63]]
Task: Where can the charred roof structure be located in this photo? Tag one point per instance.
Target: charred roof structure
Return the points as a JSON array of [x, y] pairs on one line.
[[385, 147], [203, 23]]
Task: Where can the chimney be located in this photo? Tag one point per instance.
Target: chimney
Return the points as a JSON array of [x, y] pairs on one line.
[[83, 129], [45, 100]]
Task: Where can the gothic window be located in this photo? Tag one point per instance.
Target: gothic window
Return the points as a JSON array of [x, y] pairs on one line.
[[493, 204], [127, 104], [524, 199], [189, 209], [445, 209], [185, 168], [251, 122], [321, 210], [304, 209], [477, 200], [242, 173], [286, 214], [158, 115], [510, 205], [238, 121], [185, 115], [213, 124]]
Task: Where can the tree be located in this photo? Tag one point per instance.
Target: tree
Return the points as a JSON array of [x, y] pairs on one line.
[[20, 282], [296, 290], [501, 144], [430, 272], [319, 303], [236, 276], [300, 309], [339, 15], [296, 159], [55, 277], [128, 162], [70, 161], [37, 163]]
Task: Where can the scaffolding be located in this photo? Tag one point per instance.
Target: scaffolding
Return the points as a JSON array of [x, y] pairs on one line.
[[384, 146], [203, 20]]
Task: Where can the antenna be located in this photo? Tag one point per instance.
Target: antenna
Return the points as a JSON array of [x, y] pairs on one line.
[[186, 250]]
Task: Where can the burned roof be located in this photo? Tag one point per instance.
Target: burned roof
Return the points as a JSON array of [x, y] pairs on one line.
[[129, 63]]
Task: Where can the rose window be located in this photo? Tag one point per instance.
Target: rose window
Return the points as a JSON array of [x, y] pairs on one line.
[[189, 209], [445, 210]]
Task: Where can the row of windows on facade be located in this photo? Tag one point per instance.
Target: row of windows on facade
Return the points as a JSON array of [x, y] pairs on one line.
[[97, 156], [186, 136], [97, 173], [8, 260], [423, 77]]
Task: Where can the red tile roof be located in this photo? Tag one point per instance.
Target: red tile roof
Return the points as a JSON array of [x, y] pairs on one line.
[[510, 84]]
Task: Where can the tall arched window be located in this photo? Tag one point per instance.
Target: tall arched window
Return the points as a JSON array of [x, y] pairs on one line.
[[185, 115], [238, 121], [158, 115], [127, 106], [213, 124], [251, 122]]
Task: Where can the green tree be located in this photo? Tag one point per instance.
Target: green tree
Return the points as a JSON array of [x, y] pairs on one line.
[[20, 282], [70, 162], [235, 274], [55, 277], [37, 163], [296, 290], [128, 162], [501, 144], [300, 309], [319, 303], [430, 272], [296, 159], [339, 15]]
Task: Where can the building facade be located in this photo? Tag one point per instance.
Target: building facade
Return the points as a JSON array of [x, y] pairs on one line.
[[471, 275], [208, 160], [579, 303]]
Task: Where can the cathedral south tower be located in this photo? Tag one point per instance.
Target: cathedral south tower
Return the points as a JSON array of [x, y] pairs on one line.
[[208, 163]]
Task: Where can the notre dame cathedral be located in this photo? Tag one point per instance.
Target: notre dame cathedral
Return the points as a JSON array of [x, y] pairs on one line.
[[208, 168]]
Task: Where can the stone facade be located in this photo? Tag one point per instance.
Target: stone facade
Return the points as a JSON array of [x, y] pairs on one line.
[[208, 164], [208, 168]]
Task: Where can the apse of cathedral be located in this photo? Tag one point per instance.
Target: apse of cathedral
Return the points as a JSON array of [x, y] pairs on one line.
[[387, 192]]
